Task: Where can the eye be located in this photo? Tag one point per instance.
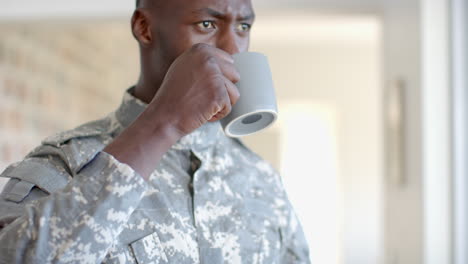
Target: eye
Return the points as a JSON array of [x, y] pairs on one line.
[[206, 25], [244, 27]]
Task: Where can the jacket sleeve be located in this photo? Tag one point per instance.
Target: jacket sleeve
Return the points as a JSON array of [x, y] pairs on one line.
[[48, 216], [295, 248]]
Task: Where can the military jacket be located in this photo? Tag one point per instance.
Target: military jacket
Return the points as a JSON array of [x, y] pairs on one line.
[[210, 200]]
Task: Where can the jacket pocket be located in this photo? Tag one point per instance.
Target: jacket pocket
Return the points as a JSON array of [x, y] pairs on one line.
[[16, 190], [264, 231], [149, 250]]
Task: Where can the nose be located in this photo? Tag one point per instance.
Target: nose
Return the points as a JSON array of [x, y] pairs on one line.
[[230, 42]]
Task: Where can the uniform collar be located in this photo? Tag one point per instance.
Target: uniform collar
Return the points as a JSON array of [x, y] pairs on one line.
[[200, 139]]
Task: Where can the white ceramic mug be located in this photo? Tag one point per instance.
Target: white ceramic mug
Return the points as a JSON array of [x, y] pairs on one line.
[[256, 108]]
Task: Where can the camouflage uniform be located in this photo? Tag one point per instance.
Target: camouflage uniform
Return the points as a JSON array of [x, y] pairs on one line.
[[210, 200]]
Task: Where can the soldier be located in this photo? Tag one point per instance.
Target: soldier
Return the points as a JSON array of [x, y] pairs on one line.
[[157, 181]]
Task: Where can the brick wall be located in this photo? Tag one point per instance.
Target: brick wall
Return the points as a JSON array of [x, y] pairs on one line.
[[56, 75]]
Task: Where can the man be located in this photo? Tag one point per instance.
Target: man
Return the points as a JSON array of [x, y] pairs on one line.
[[157, 181]]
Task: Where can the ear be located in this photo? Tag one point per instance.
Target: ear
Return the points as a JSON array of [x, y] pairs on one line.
[[141, 28]]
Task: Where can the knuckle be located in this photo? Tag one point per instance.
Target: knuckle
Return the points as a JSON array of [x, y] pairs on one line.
[[214, 93], [203, 52], [200, 47], [218, 96], [207, 63], [215, 107], [215, 82], [209, 60]]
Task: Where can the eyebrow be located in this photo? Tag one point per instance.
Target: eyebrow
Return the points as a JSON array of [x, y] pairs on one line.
[[220, 15]]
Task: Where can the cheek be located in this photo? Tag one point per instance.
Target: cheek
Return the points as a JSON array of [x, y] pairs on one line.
[[187, 37], [195, 38], [245, 44], [173, 44]]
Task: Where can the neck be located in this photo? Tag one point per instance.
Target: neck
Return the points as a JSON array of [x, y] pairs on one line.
[[145, 90], [151, 77], [149, 82]]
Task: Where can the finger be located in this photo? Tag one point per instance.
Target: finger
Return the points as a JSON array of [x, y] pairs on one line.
[[233, 92], [229, 71], [231, 97], [226, 64], [213, 51], [223, 55], [218, 64], [222, 113], [216, 117]]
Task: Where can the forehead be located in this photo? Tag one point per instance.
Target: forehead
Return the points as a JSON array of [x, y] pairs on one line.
[[228, 7]]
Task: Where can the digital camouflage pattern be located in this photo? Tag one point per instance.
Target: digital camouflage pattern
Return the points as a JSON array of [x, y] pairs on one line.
[[210, 200]]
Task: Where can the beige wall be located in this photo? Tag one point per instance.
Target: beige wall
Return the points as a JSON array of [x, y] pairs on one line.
[[56, 75], [332, 62]]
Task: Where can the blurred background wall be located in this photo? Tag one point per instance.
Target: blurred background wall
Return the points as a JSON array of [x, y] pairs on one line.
[[363, 140], [55, 75], [329, 140]]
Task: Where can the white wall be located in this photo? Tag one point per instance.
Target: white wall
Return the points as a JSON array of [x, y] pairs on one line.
[[460, 127], [437, 171]]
